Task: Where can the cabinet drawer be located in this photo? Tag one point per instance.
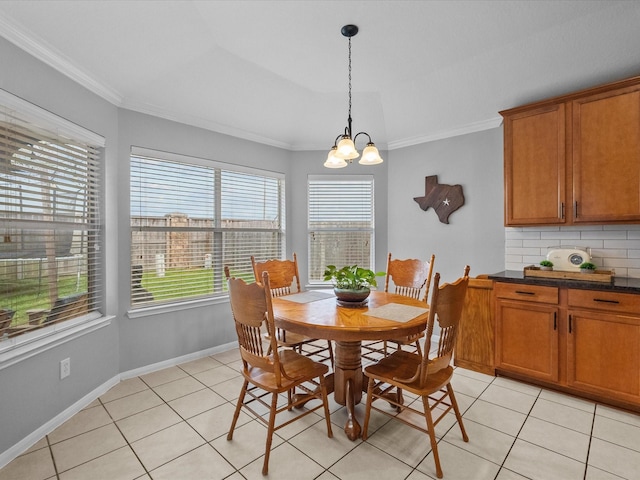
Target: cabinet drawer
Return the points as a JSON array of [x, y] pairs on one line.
[[613, 302], [527, 293]]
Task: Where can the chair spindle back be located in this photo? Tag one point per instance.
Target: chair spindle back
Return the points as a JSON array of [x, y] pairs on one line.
[[253, 314], [409, 277], [446, 306], [283, 275]]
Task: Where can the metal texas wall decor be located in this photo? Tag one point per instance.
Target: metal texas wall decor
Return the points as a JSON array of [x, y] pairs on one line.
[[444, 199]]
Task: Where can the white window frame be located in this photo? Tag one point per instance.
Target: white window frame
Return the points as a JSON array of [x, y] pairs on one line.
[[218, 229], [340, 215], [20, 347]]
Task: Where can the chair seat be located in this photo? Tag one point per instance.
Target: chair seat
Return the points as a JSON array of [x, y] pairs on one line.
[[270, 370], [377, 349], [297, 367], [428, 377], [284, 280], [410, 277], [289, 339], [402, 365], [408, 340]]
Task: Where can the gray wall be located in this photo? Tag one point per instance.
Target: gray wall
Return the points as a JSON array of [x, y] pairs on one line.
[[308, 163], [475, 233], [30, 391], [154, 338]]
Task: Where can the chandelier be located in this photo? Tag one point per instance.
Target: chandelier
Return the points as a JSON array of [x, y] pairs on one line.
[[344, 150]]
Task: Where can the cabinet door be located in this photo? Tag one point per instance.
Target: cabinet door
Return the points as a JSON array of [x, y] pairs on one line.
[[534, 167], [603, 354], [475, 340], [606, 157], [527, 339]]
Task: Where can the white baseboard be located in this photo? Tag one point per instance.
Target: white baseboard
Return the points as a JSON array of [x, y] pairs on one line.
[[35, 436], [172, 362]]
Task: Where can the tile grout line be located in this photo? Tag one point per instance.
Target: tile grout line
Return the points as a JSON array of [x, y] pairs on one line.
[[593, 422], [125, 438], [185, 420], [53, 459], [474, 400], [515, 439]]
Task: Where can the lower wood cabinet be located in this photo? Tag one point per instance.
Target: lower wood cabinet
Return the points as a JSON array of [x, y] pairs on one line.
[[527, 339], [603, 354], [475, 341], [603, 344], [585, 342]]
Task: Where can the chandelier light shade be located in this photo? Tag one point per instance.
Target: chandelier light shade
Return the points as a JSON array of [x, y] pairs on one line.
[[344, 147], [370, 155], [333, 161]]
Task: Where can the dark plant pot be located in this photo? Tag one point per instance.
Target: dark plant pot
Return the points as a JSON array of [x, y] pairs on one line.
[[352, 296], [587, 270]]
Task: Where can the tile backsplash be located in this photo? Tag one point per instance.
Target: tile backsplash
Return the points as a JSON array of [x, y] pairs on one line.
[[612, 246]]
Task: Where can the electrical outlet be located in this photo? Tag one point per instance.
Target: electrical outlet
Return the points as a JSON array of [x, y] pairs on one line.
[[65, 368]]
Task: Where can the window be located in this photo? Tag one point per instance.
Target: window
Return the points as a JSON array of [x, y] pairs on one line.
[[49, 220], [191, 217], [340, 223]]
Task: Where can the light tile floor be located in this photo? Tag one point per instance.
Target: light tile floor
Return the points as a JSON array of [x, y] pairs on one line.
[[172, 424]]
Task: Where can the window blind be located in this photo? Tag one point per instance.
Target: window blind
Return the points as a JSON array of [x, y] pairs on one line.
[[191, 217], [50, 260], [340, 223]]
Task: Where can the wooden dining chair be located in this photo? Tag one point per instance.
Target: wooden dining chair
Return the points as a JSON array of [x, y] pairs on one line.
[[428, 378], [285, 280], [410, 278], [280, 371]]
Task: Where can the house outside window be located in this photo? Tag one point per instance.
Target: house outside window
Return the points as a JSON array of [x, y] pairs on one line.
[[190, 217], [340, 223], [50, 229]]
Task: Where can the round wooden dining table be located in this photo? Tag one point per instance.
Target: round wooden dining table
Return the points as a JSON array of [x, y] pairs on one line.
[[317, 315]]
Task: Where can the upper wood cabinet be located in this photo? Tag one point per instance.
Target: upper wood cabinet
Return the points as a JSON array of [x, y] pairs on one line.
[[574, 159], [606, 157], [534, 168]]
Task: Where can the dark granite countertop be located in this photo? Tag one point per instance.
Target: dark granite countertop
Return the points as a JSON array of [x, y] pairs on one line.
[[619, 284]]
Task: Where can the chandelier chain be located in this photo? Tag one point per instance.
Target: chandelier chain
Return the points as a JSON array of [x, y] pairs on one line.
[[349, 80], [344, 150]]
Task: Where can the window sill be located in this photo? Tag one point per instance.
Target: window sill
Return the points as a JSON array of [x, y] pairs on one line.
[[176, 307], [21, 347]]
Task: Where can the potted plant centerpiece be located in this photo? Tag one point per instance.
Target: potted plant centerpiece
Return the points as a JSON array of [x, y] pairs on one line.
[[587, 267], [546, 265], [351, 284]]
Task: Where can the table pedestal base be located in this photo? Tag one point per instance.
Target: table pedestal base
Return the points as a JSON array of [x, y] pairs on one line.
[[348, 383]]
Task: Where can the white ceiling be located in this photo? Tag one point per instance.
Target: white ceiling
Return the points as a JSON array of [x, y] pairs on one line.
[[276, 71]]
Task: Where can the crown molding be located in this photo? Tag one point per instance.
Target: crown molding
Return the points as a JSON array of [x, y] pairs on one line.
[[465, 129], [204, 124], [32, 44], [49, 121]]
